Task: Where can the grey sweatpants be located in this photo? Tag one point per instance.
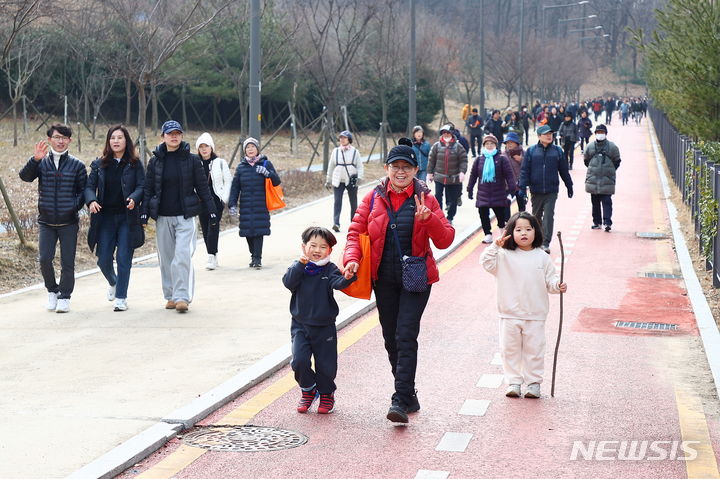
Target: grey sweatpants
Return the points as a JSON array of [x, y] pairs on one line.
[[543, 208], [176, 238]]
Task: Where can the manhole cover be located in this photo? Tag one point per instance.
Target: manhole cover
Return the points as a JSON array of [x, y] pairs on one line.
[[660, 275], [648, 326], [243, 438], [651, 235]]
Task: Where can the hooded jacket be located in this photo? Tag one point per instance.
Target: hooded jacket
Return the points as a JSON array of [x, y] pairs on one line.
[[193, 188], [60, 191], [374, 222]]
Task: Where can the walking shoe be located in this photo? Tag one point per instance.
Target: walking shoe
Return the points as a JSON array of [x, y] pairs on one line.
[[52, 301], [170, 304], [181, 306], [488, 239], [607, 228], [595, 227], [111, 293], [533, 391], [212, 262], [336, 228], [545, 248], [257, 265], [63, 305], [397, 412], [120, 304], [413, 404], [513, 391], [307, 399], [459, 201], [327, 403]]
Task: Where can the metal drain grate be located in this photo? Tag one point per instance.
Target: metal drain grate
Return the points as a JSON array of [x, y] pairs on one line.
[[660, 275], [649, 235], [648, 326], [243, 438]]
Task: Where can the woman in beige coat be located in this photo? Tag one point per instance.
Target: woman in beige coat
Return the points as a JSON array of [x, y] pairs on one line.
[[345, 172]]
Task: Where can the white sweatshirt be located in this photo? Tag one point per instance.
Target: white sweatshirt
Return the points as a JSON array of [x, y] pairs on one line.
[[524, 279]]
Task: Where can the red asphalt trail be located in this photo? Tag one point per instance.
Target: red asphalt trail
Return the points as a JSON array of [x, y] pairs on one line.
[[612, 383]]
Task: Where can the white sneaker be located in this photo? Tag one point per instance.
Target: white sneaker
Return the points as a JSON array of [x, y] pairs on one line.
[[533, 391], [212, 262], [513, 391], [111, 293], [52, 301], [120, 304], [63, 305], [488, 239]]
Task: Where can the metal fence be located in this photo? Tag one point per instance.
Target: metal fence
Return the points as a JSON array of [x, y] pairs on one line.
[[675, 147]]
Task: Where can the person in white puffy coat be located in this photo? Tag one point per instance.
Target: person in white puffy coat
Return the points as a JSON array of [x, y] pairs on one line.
[[219, 181], [345, 171]]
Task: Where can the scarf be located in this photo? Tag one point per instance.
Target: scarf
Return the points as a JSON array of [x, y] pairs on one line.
[[346, 147], [488, 174], [313, 269], [252, 161], [513, 152]]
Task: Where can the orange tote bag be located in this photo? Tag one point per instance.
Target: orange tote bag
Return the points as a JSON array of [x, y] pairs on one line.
[[362, 287], [273, 196]]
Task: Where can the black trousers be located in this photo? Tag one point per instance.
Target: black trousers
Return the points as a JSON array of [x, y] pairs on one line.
[[47, 245], [338, 194], [500, 214], [255, 245], [211, 233], [584, 141], [475, 140], [569, 150], [400, 312], [319, 342], [452, 194], [602, 209], [521, 203]]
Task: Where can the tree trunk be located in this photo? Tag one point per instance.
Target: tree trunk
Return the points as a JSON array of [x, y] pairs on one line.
[[128, 98], [154, 116], [15, 132], [184, 110], [142, 106]]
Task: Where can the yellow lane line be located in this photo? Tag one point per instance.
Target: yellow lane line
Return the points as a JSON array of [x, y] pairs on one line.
[[693, 426], [185, 455]]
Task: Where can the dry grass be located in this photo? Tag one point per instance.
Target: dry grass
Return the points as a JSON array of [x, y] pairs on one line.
[[18, 266]]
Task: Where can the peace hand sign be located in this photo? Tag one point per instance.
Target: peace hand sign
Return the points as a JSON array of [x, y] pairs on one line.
[[422, 212], [501, 241]]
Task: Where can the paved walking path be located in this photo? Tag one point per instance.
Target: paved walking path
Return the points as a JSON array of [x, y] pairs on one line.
[[614, 384]]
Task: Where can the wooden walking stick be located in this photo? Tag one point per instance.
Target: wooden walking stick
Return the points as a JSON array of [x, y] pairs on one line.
[[557, 343]]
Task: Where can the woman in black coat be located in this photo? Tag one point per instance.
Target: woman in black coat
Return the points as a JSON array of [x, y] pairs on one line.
[[113, 194], [248, 187]]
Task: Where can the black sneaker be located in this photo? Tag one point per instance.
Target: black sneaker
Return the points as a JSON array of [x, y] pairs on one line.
[[336, 228], [607, 228], [595, 227], [413, 404], [397, 413]]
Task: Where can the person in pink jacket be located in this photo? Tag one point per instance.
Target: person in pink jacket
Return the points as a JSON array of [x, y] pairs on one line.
[[525, 275]]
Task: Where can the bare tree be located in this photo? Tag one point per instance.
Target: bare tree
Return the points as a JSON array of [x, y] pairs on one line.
[[15, 16]]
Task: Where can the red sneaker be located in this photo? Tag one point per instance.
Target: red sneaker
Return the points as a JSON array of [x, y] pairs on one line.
[[327, 403], [307, 399]]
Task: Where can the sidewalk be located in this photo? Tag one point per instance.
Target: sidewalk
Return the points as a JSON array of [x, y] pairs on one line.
[[615, 384], [94, 378]]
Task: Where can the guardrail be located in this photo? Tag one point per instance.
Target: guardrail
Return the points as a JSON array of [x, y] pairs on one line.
[[703, 171]]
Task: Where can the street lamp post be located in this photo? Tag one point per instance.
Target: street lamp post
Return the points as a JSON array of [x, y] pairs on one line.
[[412, 88]]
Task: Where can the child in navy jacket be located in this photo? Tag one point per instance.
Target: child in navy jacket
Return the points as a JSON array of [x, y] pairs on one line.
[[312, 280]]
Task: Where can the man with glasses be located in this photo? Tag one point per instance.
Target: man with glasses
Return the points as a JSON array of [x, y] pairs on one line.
[[61, 184]]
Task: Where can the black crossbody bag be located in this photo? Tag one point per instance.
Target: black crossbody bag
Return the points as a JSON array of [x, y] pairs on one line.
[[414, 268]]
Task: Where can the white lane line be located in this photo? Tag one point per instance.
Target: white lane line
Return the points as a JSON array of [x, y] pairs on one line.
[[496, 360], [490, 381], [474, 407], [427, 474], [454, 442]]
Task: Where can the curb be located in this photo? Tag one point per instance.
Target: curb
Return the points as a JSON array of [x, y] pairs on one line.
[[709, 333], [145, 443]]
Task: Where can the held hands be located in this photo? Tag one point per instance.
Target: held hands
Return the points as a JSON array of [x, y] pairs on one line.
[[500, 242], [41, 149], [351, 269], [562, 287], [262, 170], [94, 207], [422, 212]]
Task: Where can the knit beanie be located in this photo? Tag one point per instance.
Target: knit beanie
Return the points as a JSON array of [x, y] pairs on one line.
[[251, 141], [206, 139]]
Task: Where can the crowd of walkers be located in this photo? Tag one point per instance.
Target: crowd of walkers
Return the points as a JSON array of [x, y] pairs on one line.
[[389, 236]]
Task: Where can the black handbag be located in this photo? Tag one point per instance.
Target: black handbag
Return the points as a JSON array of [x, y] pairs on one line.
[[414, 268], [353, 179]]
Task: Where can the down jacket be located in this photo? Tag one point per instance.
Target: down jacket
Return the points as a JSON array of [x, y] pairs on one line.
[[336, 173], [540, 168], [446, 161], [495, 193], [248, 187], [375, 222], [602, 159], [194, 184], [132, 185], [60, 191]]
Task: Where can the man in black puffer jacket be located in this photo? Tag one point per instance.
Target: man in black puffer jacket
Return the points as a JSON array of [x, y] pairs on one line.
[[61, 184], [174, 180]]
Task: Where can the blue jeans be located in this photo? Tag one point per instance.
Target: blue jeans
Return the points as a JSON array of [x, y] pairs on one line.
[[114, 234]]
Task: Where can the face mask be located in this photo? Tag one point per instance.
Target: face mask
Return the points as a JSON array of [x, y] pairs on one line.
[[600, 136]]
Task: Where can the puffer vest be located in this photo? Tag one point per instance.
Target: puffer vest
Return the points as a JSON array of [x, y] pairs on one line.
[[390, 268]]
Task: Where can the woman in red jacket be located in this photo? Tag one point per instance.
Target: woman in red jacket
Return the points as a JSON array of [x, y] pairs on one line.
[[415, 217]]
